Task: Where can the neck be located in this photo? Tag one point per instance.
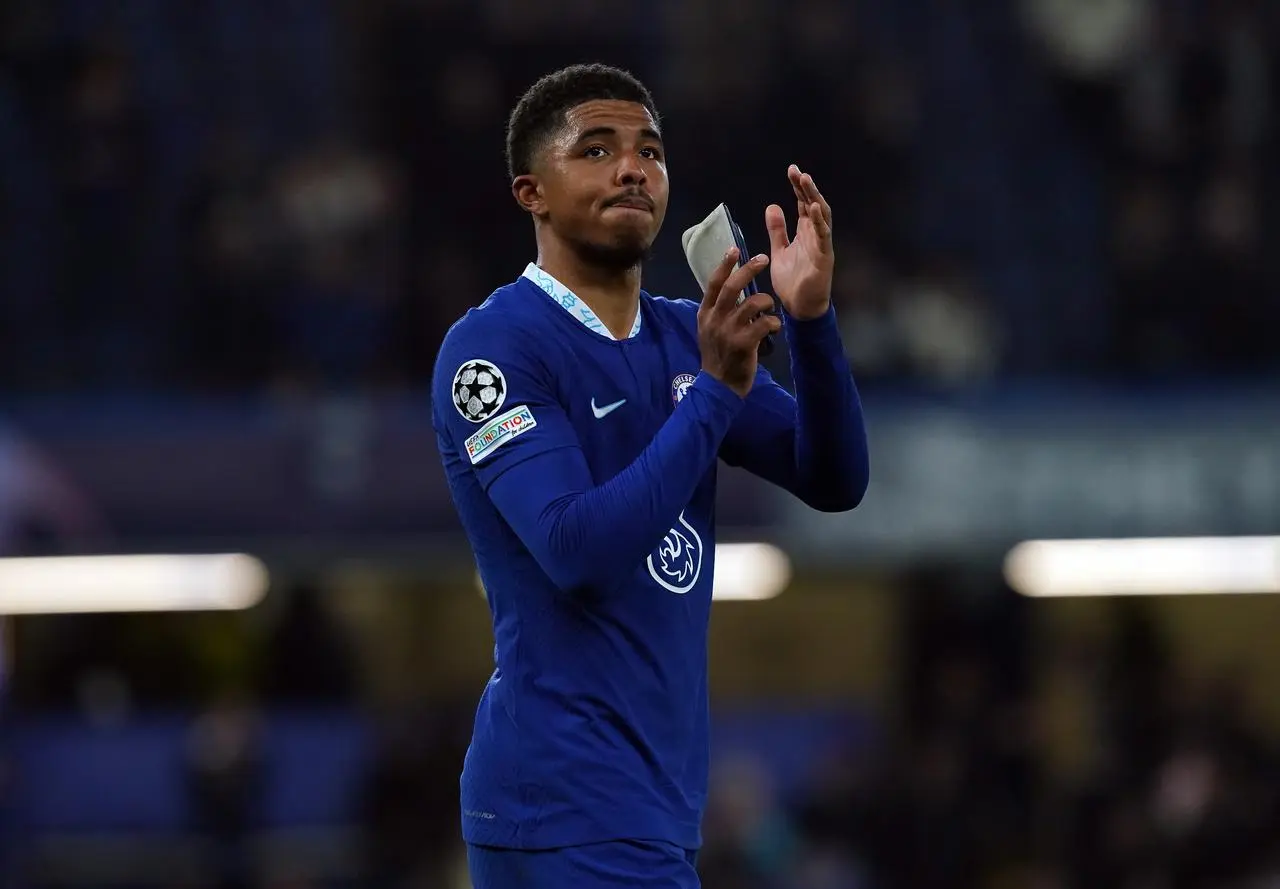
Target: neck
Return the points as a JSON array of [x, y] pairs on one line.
[[612, 293]]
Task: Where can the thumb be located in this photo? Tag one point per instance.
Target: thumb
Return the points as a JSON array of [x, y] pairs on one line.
[[775, 222]]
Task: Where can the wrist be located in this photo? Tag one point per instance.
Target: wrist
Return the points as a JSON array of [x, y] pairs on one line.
[[721, 389], [811, 312], [813, 317]]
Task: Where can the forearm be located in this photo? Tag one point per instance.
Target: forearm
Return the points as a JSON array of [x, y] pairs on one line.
[[581, 535], [830, 445]]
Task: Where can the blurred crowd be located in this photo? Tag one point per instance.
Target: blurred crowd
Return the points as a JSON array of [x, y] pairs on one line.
[[271, 194], [1094, 765], [1011, 757]]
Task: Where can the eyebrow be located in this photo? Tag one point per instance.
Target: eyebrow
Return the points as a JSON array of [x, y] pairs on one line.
[[646, 132]]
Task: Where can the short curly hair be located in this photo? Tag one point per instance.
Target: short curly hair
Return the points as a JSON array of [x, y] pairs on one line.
[[541, 111]]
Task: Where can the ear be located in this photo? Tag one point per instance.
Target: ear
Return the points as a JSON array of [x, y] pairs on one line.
[[528, 194]]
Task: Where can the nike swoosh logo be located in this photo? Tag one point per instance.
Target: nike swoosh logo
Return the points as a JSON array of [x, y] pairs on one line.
[[607, 409]]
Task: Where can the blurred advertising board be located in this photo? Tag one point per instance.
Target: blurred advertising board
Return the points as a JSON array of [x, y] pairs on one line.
[[973, 476], [950, 475], [149, 475]]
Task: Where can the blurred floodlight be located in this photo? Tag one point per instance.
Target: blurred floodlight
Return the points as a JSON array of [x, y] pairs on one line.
[[744, 572], [84, 584], [750, 571], [1159, 566]]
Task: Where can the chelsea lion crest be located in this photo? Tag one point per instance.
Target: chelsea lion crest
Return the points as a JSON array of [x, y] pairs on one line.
[[680, 386], [677, 562]]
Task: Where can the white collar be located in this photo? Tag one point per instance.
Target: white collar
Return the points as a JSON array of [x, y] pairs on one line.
[[569, 301]]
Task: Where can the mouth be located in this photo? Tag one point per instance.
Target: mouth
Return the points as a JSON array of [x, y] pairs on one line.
[[633, 203]]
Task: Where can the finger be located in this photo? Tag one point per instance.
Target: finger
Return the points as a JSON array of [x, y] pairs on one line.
[[757, 330], [814, 196], [753, 306], [715, 284], [795, 177], [821, 226], [769, 324], [775, 223], [727, 301]]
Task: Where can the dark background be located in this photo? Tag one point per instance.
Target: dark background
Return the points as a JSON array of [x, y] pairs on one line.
[[233, 232]]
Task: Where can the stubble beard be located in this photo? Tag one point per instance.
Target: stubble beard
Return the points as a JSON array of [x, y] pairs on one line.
[[618, 256]]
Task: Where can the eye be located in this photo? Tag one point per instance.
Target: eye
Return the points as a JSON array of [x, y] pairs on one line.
[[652, 153], [594, 151]]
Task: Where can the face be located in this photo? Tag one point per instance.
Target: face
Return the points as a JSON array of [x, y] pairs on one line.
[[601, 183]]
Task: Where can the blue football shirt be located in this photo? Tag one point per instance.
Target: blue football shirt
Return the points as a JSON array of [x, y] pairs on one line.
[[583, 469]]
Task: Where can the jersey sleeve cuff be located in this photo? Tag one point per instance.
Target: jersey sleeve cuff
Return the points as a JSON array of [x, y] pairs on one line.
[[815, 342], [720, 394], [819, 329]]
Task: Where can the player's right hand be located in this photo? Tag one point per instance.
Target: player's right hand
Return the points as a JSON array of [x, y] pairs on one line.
[[729, 333]]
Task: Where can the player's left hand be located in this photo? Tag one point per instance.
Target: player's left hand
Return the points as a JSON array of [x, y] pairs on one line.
[[801, 268]]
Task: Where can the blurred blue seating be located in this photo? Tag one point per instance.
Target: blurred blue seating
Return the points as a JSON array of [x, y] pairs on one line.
[[73, 777]]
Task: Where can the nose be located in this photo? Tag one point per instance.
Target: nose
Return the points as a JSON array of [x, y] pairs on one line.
[[630, 170]]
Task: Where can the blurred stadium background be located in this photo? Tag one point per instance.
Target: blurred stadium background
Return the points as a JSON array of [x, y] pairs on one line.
[[232, 233]]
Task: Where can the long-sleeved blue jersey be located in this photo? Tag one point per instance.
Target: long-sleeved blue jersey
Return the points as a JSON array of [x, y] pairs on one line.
[[584, 469]]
